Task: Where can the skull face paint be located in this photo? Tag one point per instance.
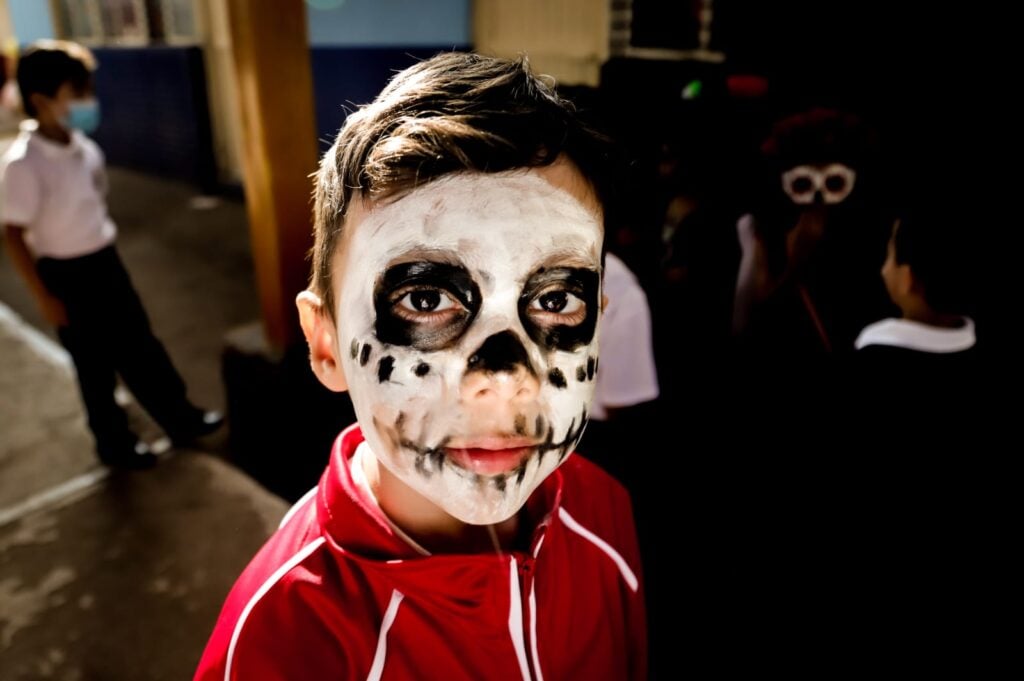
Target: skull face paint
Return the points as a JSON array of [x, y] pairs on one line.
[[478, 296], [833, 182]]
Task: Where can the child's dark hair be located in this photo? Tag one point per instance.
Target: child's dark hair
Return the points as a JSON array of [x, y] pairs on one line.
[[47, 64], [454, 112], [932, 240], [817, 136]]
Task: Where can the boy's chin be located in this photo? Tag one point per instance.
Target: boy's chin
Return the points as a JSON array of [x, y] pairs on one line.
[[474, 499], [485, 511], [477, 501]]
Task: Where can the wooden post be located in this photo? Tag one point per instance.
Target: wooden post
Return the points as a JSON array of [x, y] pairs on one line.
[[279, 152]]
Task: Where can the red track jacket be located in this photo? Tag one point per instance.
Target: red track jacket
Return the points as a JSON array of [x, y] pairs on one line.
[[336, 594]]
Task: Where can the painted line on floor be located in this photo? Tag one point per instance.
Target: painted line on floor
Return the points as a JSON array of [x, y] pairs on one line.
[[78, 486], [42, 344], [59, 495]]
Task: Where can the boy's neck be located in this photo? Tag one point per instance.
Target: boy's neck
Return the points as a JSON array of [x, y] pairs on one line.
[[53, 131], [922, 313], [428, 524]]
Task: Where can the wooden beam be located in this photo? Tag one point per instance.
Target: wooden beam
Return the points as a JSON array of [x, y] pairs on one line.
[[279, 152]]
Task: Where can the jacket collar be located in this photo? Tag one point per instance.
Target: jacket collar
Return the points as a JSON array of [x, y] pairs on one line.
[[355, 524], [903, 333]]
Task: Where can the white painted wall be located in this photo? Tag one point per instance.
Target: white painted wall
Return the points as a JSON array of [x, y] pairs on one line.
[[567, 39], [225, 118]]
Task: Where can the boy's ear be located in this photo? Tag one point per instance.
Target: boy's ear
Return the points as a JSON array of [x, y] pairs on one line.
[[38, 101], [320, 335]]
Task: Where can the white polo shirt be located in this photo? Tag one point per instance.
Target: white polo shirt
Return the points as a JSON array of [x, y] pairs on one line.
[[56, 192], [626, 375]]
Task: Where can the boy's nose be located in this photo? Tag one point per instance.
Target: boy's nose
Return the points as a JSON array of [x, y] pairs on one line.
[[499, 371]]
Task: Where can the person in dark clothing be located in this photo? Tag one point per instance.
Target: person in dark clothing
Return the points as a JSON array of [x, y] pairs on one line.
[[922, 273], [930, 513], [807, 281]]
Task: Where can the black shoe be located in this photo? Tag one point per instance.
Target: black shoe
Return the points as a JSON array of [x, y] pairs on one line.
[[205, 423], [135, 458]]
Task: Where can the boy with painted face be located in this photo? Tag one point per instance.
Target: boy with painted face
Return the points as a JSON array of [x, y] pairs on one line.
[[456, 294]]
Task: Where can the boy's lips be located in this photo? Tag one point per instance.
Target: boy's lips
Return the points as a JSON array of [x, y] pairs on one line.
[[490, 455]]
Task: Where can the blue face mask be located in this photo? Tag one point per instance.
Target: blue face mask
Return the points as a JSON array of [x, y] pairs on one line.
[[84, 115]]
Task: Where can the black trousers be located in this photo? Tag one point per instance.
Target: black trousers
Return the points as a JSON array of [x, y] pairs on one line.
[[108, 333]]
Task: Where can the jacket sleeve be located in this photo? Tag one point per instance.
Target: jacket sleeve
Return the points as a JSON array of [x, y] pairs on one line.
[[278, 622], [279, 636], [636, 611]]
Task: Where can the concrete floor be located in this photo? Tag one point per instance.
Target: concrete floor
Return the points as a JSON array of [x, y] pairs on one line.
[[121, 576], [125, 581]]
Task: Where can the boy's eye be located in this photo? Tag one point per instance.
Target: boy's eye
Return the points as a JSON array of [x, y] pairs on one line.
[[558, 307], [426, 301], [427, 304], [558, 301]]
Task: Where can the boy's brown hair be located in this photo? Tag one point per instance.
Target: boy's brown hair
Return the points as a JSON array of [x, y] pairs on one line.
[[453, 112], [47, 64]]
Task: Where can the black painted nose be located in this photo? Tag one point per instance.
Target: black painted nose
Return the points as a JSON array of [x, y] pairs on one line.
[[500, 352]]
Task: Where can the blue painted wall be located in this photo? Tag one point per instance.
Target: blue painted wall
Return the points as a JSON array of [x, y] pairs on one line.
[[155, 114], [345, 77], [382, 23], [357, 45], [31, 20]]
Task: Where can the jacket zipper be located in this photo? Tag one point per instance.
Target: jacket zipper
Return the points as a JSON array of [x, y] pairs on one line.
[[523, 611]]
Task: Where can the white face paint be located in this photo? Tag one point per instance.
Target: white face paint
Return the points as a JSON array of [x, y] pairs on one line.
[[834, 181], [467, 317]]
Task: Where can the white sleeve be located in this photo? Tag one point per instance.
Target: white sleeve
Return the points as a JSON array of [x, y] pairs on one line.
[[626, 374], [19, 195]]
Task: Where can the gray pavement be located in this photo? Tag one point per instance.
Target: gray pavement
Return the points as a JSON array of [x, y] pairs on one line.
[[124, 581], [112, 576], [43, 437]]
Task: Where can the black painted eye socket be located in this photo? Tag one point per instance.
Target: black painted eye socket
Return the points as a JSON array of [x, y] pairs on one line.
[[801, 185], [558, 306], [426, 305], [835, 183]]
